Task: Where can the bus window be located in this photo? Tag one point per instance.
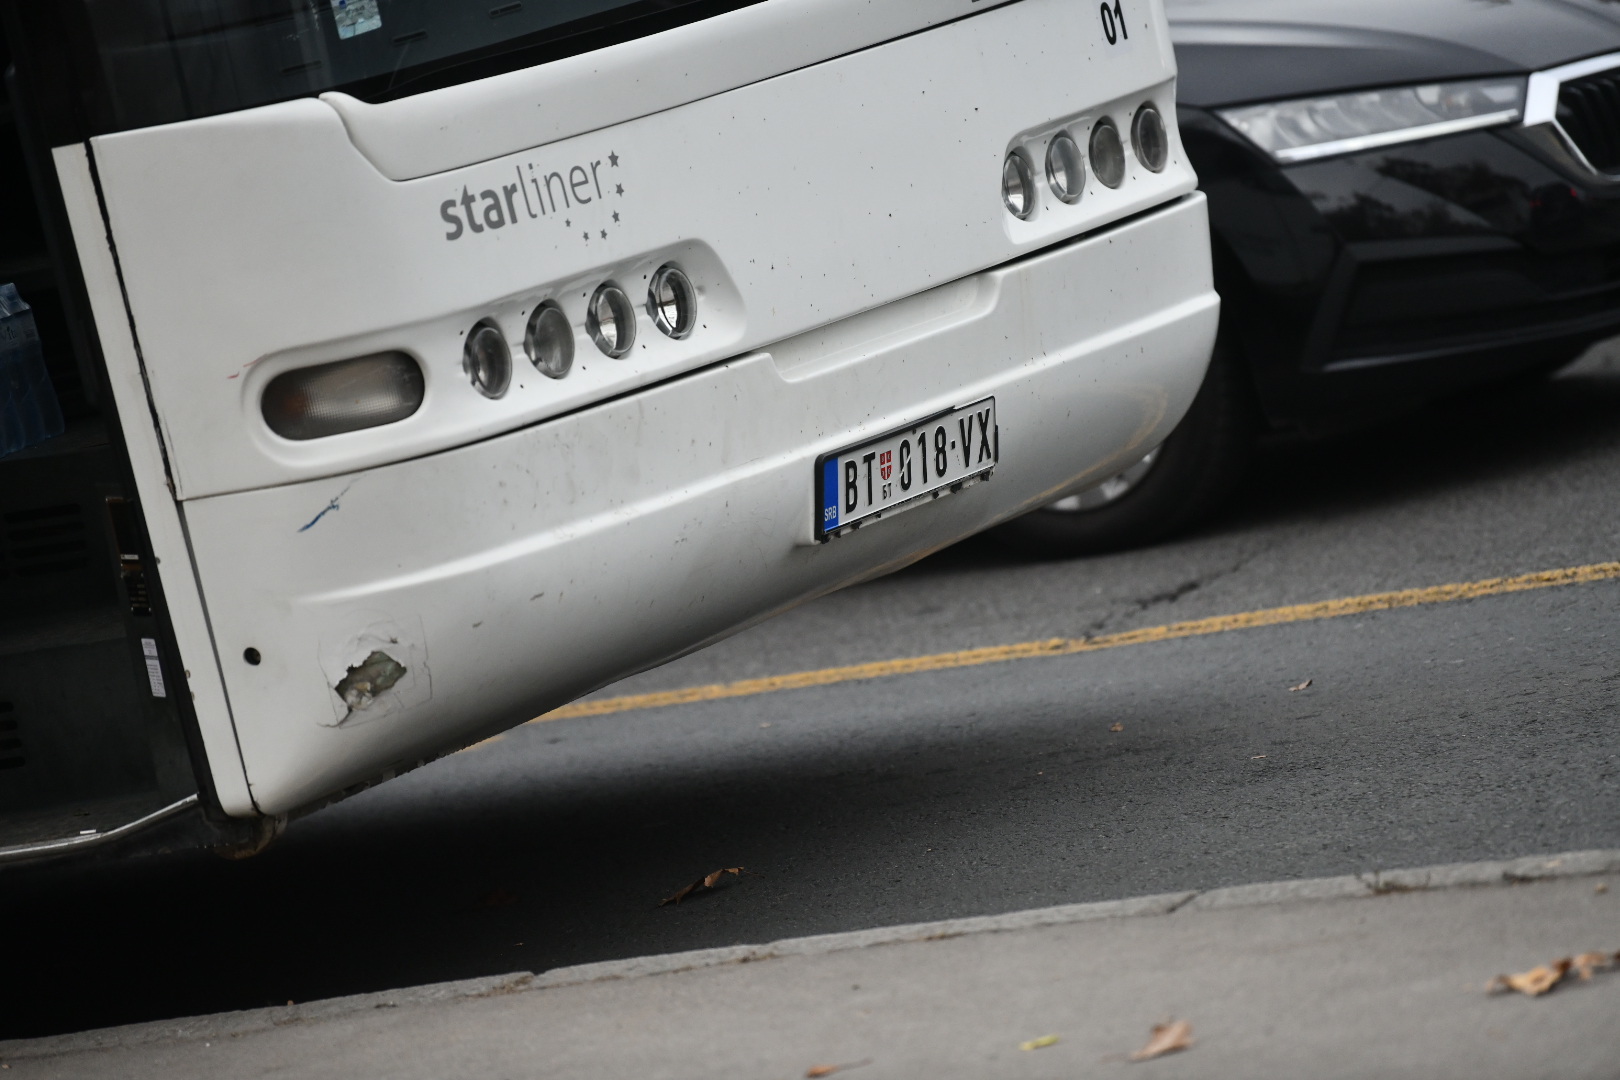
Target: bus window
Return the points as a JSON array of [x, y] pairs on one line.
[[168, 60], [427, 366]]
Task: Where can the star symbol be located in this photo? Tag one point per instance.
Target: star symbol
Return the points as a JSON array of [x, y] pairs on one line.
[[615, 217], [618, 189], [613, 161], [587, 236], [568, 223], [604, 234]]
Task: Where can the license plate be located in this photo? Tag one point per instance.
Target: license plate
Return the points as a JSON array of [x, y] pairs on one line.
[[908, 466]]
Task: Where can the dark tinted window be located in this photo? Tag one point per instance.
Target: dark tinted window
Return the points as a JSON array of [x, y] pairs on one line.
[[166, 60]]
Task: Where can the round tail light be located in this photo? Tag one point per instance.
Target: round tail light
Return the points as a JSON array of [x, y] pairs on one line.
[[486, 359], [1065, 168], [549, 341], [1107, 153], [611, 320], [1017, 186], [1148, 136], [672, 301]]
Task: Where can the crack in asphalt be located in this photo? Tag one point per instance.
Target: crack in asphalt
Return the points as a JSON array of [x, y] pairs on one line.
[[1142, 605]]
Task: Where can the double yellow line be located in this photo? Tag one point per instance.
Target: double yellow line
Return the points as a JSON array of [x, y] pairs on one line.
[[1248, 620]]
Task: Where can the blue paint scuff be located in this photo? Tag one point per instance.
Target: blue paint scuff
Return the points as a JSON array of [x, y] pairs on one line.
[[333, 505]]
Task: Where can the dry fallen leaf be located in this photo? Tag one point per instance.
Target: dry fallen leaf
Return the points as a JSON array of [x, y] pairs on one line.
[[1301, 686], [1037, 1044], [1116, 727], [1532, 983], [1538, 981], [1601, 887], [1167, 1039], [1589, 962], [707, 881]]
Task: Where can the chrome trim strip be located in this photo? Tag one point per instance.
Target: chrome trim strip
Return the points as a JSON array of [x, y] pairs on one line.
[[18, 852], [1541, 99], [1294, 154], [1541, 106]]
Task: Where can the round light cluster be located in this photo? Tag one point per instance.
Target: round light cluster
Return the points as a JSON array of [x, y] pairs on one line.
[[369, 391], [1066, 166], [610, 322]]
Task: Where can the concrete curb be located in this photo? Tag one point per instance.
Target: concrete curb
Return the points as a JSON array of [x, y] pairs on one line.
[[1351, 887], [247, 1021]]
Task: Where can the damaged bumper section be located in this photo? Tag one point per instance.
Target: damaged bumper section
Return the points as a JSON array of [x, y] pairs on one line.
[[398, 612], [366, 681]]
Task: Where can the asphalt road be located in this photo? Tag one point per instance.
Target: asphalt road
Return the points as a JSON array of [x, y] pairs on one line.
[[1470, 730]]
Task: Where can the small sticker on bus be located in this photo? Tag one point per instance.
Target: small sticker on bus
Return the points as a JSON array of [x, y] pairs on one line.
[[154, 670], [356, 17]]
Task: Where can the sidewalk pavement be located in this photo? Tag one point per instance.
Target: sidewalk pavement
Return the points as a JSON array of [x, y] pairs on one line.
[[1371, 976]]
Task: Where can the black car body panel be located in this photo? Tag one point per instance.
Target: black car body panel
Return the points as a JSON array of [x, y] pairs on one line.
[[1369, 281], [1232, 51]]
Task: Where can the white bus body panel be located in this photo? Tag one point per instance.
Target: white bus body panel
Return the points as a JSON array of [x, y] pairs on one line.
[[517, 573], [263, 240], [512, 554]]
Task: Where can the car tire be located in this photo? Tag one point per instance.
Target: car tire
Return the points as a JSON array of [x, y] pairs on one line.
[[1185, 479]]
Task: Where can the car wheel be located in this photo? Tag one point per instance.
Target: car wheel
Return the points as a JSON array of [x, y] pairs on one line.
[[1168, 489]]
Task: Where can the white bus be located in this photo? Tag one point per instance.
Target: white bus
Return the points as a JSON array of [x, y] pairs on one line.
[[428, 364]]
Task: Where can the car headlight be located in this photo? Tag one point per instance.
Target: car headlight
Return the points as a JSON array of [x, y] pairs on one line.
[[1311, 128]]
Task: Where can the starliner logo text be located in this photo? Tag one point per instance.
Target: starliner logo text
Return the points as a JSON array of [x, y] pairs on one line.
[[560, 195]]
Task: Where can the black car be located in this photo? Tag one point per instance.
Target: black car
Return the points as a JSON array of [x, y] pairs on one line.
[[1406, 198]]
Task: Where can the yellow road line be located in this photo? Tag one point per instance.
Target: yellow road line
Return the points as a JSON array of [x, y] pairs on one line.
[[1294, 613]]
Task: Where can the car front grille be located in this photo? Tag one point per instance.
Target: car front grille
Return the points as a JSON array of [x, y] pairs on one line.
[[1589, 113]]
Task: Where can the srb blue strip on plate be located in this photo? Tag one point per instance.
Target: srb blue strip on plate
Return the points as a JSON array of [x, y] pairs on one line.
[[829, 494]]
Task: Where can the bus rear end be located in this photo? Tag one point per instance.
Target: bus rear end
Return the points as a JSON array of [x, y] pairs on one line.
[[452, 362]]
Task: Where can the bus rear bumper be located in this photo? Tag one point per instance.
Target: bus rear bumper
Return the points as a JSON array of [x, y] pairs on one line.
[[368, 621]]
